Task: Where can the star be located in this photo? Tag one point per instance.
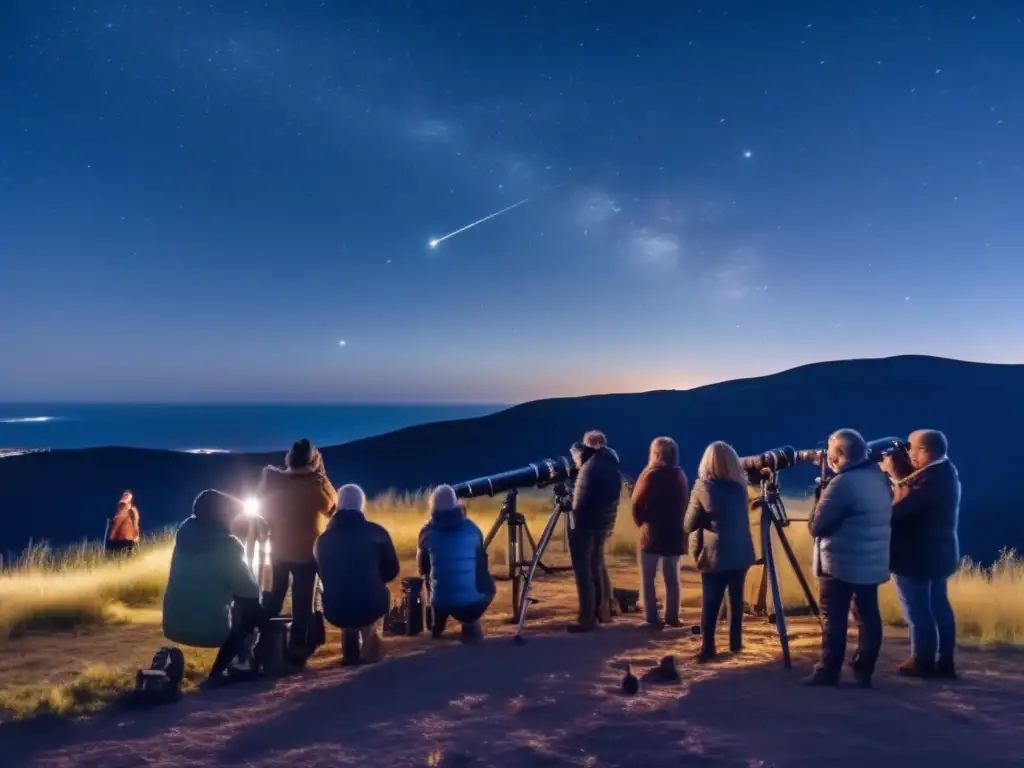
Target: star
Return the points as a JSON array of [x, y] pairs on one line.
[[341, 343], [748, 154]]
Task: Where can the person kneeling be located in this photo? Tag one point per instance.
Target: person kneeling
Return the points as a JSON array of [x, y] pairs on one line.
[[451, 558], [356, 560], [212, 598]]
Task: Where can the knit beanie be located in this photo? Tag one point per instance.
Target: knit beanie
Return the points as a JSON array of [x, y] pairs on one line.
[[351, 497], [443, 498], [300, 455]]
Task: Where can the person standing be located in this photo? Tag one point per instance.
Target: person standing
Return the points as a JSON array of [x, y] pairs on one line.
[[595, 507], [660, 498], [123, 529], [724, 549], [851, 526], [296, 502], [926, 552]]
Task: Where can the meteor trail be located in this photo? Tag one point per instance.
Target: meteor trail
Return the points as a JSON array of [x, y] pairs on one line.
[[438, 241]]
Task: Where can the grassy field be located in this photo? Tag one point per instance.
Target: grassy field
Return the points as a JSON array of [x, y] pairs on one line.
[[49, 593]]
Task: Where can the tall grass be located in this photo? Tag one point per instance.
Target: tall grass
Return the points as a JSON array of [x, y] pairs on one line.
[[47, 590]]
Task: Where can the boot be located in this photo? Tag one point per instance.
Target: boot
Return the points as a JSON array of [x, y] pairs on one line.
[[914, 667], [579, 627], [472, 633], [372, 645], [945, 669], [819, 678]]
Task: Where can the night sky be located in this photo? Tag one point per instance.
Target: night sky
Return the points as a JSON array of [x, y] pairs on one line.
[[200, 201]]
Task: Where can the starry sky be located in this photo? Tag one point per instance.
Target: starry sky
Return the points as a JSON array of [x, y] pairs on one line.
[[200, 201]]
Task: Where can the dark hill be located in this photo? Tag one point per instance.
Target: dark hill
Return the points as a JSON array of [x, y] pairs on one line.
[[65, 495]]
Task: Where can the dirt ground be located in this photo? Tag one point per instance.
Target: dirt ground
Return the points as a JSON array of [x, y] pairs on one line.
[[553, 702]]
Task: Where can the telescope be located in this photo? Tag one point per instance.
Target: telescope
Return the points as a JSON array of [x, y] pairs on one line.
[[877, 450], [538, 475]]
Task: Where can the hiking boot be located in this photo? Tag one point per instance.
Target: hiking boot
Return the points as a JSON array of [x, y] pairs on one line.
[[472, 633], [861, 676], [819, 679], [704, 656], [945, 670], [916, 668], [676, 623], [657, 625]]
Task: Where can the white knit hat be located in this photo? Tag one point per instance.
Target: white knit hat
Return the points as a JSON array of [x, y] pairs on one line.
[[351, 497], [443, 498]]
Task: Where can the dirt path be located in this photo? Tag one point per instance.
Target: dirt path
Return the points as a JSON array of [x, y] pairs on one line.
[[555, 702]]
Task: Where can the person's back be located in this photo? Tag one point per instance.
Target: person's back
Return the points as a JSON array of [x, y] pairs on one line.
[[208, 571], [297, 504], [451, 555], [356, 560], [726, 543], [856, 550], [597, 490]]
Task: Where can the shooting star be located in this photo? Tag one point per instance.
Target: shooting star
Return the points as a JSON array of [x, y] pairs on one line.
[[438, 241]]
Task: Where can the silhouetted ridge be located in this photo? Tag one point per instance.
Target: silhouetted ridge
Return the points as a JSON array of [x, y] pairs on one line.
[[65, 495]]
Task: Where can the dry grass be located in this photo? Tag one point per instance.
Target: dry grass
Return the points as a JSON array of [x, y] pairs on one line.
[[76, 589]]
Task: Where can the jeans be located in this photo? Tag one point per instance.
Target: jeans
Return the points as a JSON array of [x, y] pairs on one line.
[[593, 585], [926, 609], [835, 597], [466, 614], [669, 565], [714, 587], [247, 615], [303, 581]]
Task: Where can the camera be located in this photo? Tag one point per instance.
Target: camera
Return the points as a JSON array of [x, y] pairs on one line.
[[773, 460]]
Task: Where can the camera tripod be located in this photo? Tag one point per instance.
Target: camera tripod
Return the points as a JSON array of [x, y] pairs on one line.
[[520, 569], [774, 516]]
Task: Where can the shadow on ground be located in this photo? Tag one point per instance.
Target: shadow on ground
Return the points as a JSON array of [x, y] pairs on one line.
[[555, 702]]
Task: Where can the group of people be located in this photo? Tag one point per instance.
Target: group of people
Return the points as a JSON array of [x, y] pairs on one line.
[[869, 522], [214, 600]]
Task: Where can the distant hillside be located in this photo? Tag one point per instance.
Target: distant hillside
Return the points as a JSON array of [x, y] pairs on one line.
[[65, 495]]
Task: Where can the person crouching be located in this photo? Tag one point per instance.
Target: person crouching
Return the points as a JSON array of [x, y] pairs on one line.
[[452, 559], [356, 560], [212, 598]]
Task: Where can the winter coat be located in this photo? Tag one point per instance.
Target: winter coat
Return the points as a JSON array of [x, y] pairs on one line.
[[451, 555], [356, 560], [208, 571], [660, 498], [925, 514], [124, 525], [852, 524], [719, 514], [597, 491], [297, 504]]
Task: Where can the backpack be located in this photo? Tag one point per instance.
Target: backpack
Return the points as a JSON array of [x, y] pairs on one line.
[[161, 683]]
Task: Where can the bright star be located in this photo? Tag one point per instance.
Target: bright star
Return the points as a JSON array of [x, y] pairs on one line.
[[433, 243], [341, 343], [748, 154]]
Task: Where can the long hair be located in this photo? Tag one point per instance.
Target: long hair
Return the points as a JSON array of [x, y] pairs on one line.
[[720, 461], [664, 453]]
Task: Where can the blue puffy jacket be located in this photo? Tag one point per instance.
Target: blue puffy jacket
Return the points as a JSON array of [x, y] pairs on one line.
[[451, 554]]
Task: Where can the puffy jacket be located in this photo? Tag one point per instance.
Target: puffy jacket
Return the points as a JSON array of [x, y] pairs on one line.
[[208, 571], [297, 504], [451, 555], [852, 525], [356, 560], [659, 504], [925, 514], [596, 494], [719, 514]]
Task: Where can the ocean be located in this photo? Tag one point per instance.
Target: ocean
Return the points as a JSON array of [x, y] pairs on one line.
[[234, 428]]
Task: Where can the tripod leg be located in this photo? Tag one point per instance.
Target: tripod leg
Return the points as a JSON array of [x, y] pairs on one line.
[[804, 585], [773, 577], [524, 602], [494, 530]]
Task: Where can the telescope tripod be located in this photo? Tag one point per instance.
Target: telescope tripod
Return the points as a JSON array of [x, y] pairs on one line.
[[520, 569], [773, 516]]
